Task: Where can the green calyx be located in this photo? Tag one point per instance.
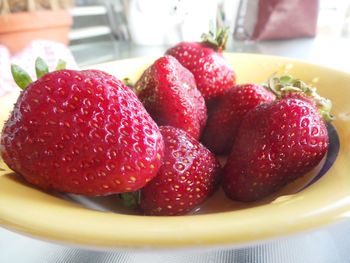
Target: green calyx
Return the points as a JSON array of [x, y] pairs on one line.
[[41, 67], [216, 38], [128, 82], [287, 84], [22, 78], [131, 199], [61, 64]]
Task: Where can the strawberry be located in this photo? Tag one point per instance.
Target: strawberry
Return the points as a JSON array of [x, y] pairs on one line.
[[225, 118], [277, 143], [80, 132], [169, 93], [189, 174], [205, 60]]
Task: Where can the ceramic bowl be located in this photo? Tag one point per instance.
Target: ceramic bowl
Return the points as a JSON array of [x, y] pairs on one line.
[[321, 197]]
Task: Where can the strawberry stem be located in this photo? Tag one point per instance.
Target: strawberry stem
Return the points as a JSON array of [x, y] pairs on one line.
[[41, 67], [287, 84], [131, 199], [20, 76], [217, 39]]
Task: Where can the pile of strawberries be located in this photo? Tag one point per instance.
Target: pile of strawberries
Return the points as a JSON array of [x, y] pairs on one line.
[[85, 132]]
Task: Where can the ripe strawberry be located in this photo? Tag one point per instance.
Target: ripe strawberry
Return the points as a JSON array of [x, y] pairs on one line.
[[81, 132], [204, 59], [187, 177], [169, 93], [275, 144], [224, 120]]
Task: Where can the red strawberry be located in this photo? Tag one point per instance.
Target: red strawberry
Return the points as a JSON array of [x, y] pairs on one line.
[[187, 177], [204, 59], [276, 143], [169, 93], [81, 132], [224, 120]]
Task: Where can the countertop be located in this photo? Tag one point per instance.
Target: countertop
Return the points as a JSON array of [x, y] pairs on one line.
[[330, 244], [330, 52]]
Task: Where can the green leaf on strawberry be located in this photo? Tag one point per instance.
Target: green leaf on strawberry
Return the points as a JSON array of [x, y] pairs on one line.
[[216, 38], [131, 199], [20, 76], [41, 67], [61, 64], [287, 84]]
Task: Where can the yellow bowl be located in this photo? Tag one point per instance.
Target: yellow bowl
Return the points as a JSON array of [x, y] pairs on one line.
[[326, 199]]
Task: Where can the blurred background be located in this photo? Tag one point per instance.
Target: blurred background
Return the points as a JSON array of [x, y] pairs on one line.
[[102, 30]]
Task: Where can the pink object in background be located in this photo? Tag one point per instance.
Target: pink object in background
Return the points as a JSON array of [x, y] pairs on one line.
[[276, 19], [50, 51], [282, 19]]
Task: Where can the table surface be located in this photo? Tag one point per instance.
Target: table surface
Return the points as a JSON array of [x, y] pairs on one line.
[[329, 244], [330, 52]]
